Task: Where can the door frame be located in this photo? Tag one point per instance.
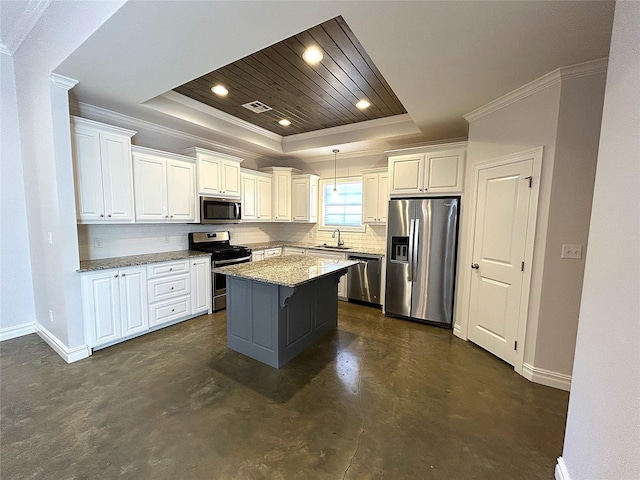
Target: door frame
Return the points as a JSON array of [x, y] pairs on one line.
[[466, 256]]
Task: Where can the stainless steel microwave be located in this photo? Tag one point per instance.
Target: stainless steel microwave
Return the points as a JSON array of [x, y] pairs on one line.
[[220, 210]]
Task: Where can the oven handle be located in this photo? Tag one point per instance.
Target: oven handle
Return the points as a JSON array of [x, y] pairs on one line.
[[220, 263]]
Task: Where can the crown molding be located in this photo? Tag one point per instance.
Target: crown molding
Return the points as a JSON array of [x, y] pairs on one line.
[[593, 67], [31, 12], [62, 81], [111, 116], [430, 146], [138, 150], [220, 115]]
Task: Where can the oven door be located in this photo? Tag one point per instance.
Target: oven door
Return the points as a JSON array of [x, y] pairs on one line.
[[220, 210], [219, 281]]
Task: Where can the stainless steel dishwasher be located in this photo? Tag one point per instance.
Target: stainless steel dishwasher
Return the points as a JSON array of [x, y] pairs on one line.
[[363, 282]]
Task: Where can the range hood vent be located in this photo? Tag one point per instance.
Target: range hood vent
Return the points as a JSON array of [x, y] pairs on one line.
[[257, 107]]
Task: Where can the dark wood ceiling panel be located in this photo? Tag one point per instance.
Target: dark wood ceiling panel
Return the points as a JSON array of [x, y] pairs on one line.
[[311, 97]]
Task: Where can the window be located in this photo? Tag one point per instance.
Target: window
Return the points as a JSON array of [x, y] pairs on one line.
[[343, 209]]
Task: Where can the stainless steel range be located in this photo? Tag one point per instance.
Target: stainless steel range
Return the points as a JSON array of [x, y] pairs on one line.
[[222, 253]]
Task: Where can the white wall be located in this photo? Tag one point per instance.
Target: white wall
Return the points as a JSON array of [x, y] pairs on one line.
[[564, 118], [47, 163], [602, 438], [16, 285]]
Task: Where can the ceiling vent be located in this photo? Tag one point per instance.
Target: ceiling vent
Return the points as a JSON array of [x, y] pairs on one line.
[[257, 107]]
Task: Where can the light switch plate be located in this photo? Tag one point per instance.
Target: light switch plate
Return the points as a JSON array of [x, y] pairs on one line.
[[571, 251]]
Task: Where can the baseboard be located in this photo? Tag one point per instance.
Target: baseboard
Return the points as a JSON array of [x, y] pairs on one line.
[[15, 331], [546, 377], [561, 472], [69, 355]]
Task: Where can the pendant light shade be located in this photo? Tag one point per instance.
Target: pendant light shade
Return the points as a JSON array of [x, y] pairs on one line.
[[335, 163]]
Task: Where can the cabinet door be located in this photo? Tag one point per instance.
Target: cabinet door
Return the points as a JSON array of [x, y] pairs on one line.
[[181, 194], [370, 199], [263, 191], [272, 252], [282, 197], [249, 198], [230, 174], [300, 200], [133, 301], [257, 255], [150, 188], [313, 201], [383, 197], [115, 151], [102, 307], [342, 284], [443, 172], [407, 173], [88, 175], [209, 182], [201, 285]]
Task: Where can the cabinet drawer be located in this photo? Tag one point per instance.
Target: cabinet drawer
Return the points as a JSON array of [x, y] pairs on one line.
[[163, 269], [167, 311], [169, 287], [272, 252]]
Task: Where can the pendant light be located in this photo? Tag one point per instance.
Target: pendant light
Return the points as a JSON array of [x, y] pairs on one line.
[[335, 163]]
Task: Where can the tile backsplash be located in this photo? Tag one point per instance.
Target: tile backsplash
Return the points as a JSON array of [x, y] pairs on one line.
[[105, 241]]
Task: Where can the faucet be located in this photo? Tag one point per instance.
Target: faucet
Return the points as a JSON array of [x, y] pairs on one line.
[[333, 235]]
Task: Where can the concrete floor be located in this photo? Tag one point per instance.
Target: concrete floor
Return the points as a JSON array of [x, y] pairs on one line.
[[378, 398]]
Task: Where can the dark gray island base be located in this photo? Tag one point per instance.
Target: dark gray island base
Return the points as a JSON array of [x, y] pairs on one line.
[[276, 308]]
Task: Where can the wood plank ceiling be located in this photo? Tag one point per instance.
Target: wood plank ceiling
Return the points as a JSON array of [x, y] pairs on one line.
[[312, 97]]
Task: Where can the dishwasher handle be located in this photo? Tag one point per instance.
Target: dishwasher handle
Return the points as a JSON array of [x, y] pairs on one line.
[[365, 259]]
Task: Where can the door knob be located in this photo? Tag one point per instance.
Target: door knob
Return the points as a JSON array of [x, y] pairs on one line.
[[475, 266]]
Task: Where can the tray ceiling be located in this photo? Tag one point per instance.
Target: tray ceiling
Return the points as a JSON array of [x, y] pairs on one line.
[[312, 97]]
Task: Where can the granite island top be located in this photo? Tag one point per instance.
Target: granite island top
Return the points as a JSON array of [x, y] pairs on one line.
[[288, 271], [314, 246], [132, 260]]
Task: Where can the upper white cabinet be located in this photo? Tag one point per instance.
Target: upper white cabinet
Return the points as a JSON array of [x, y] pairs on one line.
[[375, 196], [425, 170], [164, 185], [281, 178], [218, 173], [102, 171], [304, 193], [256, 196]]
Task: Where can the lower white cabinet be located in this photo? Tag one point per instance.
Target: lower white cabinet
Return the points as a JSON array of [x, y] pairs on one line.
[[294, 251], [123, 303], [115, 304], [257, 255], [273, 252]]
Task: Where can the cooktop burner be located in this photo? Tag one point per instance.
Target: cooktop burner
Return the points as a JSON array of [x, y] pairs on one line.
[[217, 244]]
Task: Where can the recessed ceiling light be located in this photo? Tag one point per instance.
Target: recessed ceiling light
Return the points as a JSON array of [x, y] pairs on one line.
[[219, 90], [284, 122], [312, 55], [363, 104]]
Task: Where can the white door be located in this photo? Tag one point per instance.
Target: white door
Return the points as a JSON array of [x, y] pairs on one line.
[[181, 194], [103, 307], [115, 151], [230, 173], [88, 175], [282, 197], [383, 197], [133, 301], [208, 175], [443, 172], [201, 285], [370, 199], [300, 200], [249, 199], [406, 173], [263, 192], [502, 214], [150, 187]]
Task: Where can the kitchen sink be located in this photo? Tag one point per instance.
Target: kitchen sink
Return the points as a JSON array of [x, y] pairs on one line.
[[341, 247]]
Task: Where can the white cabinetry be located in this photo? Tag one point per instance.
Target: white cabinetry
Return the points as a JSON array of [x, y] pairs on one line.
[[169, 288], [425, 170], [200, 285], [164, 185], [375, 195], [293, 251], [281, 192], [218, 173], [272, 252], [256, 196], [342, 285], [304, 204], [102, 172], [257, 255], [115, 304]]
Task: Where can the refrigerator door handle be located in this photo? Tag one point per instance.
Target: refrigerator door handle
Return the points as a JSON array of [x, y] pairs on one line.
[[414, 243], [410, 258]]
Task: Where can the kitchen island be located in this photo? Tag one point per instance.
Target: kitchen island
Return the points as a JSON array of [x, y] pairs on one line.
[[278, 307]]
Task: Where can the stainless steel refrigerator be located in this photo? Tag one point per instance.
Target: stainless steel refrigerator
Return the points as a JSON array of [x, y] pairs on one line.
[[421, 259]]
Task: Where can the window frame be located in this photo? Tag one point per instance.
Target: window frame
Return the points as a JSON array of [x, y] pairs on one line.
[[321, 219]]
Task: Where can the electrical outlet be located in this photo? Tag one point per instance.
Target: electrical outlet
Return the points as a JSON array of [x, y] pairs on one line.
[[50, 316], [571, 251], [98, 242]]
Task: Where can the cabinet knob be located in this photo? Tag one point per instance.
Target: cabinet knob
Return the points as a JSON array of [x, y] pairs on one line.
[[171, 288], [171, 269], [115, 276], [109, 215], [171, 216], [475, 266], [173, 309], [123, 274], [102, 215]]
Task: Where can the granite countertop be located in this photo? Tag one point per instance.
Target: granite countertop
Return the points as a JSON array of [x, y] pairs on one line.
[[132, 260], [284, 243], [289, 271]]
